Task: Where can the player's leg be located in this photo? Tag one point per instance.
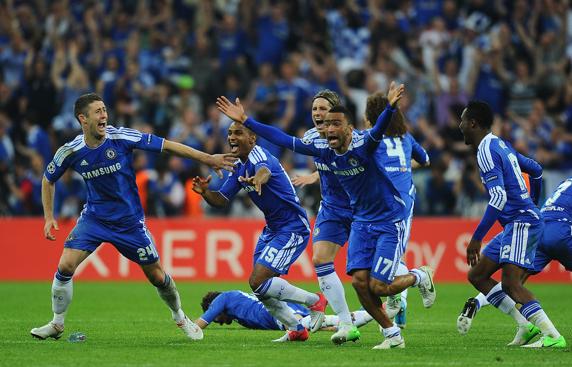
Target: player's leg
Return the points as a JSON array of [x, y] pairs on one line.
[[262, 276], [396, 305], [531, 309], [62, 292], [84, 238], [331, 232], [167, 290], [373, 305], [137, 245], [389, 250], [517, 252], [276, 252]]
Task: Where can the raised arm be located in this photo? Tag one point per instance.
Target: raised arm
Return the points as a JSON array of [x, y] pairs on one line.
[[393, 96], [48, 190], [235, 111], [215, 161]]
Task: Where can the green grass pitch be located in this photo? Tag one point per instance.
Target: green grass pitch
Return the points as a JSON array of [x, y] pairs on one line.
[[127, 325]]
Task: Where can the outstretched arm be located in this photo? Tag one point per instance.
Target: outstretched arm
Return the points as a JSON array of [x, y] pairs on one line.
[[306, 180], [235, 111], [215, 161]]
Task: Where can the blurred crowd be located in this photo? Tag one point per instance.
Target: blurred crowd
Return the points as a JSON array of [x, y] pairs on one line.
[[159, 65]]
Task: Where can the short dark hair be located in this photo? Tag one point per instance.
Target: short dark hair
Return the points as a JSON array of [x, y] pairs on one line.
[[208, 299], [375, 105], [344, 110], [481, 112], [80, 106], [329, 95]]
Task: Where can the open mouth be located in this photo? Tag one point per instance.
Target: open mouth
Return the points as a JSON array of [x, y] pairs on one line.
[[102, 125], [233, 148], [333, 140]]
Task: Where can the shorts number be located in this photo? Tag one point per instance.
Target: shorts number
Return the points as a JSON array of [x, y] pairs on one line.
[[269, 254], [387, 265], [505, 252], [150, 251]]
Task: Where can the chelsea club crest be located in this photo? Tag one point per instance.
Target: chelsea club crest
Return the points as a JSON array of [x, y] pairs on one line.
[[353, 162], [110, 153]]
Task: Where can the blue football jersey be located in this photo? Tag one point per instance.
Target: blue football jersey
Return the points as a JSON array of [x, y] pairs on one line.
[[373, 198], [394, 156], [278, 202], [559, 205], [245, 308], [333, 194], [500, 169], [112, 194]]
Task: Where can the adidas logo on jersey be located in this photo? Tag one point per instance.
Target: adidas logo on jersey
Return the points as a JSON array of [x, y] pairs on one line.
[[84, 163]]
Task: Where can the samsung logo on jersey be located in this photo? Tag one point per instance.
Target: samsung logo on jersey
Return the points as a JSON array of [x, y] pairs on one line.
[[101, 171], [552, 209], [322, 167], [397, 169], [350, 172]]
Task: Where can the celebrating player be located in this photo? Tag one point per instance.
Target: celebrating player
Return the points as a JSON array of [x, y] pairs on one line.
[[556, 244], [333, 223], [113, 213], [286, 233], [225, 307], [378, 228], [513, 250], [394, 156]]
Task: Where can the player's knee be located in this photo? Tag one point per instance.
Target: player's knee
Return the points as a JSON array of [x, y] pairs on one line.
[[510, 286], [474, 277], [320, 259], [360, 284], [66, 267], [378, 288], [254, 282]]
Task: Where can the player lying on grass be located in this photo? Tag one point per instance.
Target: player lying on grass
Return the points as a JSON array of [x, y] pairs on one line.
[[102, 155], [556, 244], [513, 250], [378, 231], [285, 235], [225, 307]]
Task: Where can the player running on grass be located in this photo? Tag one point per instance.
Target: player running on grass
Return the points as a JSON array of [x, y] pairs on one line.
[[378, 227], [394, 156], [556, 244], [102, 155], [225, 307], [513, 250], [332, 225], [286, 233]]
